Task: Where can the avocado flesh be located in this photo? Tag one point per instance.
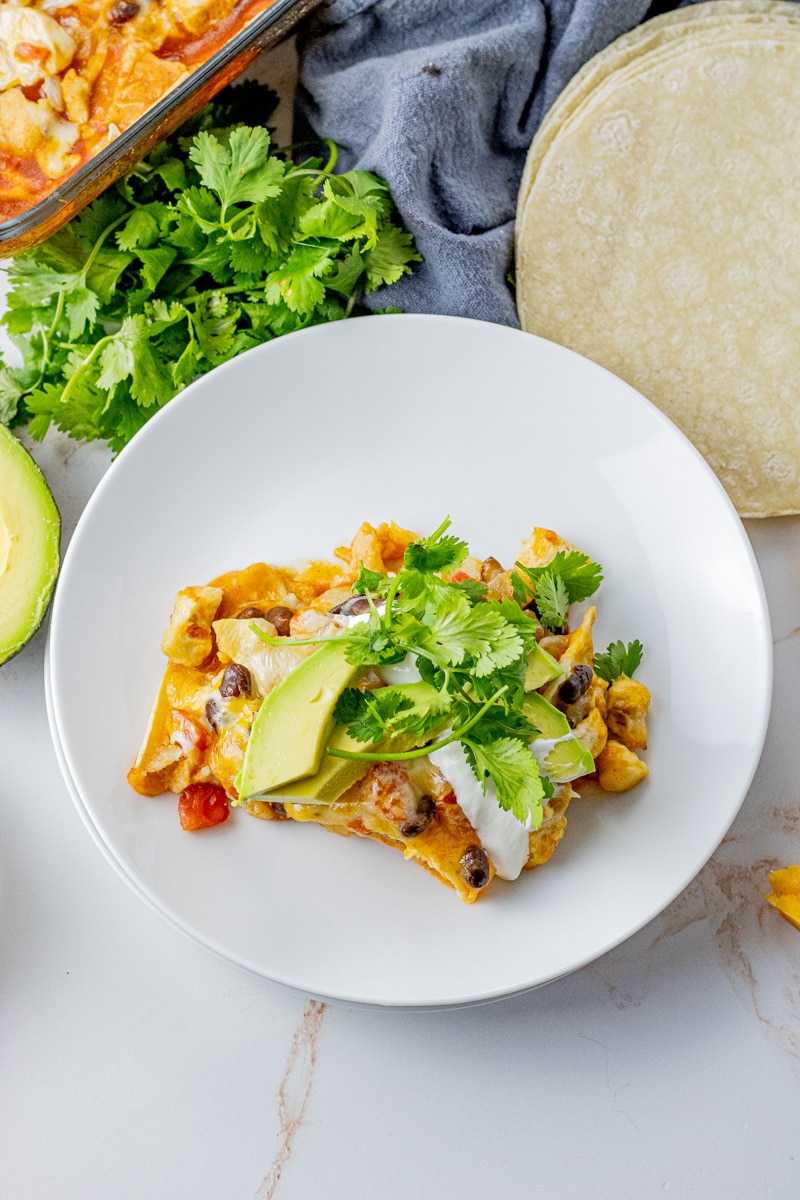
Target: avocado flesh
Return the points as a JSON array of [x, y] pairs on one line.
[[30, 533], [542, 667], [548, 719], [336, 775], [294, 723], [569, 758]]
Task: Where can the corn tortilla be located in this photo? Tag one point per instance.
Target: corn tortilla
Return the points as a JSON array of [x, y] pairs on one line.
[[659, 237], [722, 16]]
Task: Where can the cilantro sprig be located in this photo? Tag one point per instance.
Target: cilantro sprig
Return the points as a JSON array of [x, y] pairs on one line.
[[619, 659], [569, 577], [473, 651], [214, 243]]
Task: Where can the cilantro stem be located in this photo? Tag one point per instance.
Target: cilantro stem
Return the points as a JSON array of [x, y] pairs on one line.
[[421, 751], [70, 384], [320, 172], [333, 155], [47, 337], [390, 595], [98, 244], [295, 641]]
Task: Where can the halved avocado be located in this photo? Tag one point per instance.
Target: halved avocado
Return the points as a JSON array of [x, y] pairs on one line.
[[30, 535]]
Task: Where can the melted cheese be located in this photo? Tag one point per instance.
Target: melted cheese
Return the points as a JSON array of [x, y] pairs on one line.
[[21, 28]]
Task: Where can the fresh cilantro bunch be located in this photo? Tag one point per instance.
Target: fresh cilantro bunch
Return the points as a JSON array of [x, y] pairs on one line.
[[213, 244], [474, 653], [567, 578]]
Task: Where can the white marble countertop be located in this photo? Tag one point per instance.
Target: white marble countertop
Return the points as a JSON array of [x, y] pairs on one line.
[[136, 1065]]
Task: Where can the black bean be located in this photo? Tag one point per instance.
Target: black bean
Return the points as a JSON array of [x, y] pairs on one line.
[[214, 713], [353, 606], [475, 868], [235, 681], [251, 613], [280, 616], [431, 68], [421, 819], [576, 684], [122, 12]]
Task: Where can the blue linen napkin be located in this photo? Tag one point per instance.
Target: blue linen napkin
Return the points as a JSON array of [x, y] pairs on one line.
[[442, 98]]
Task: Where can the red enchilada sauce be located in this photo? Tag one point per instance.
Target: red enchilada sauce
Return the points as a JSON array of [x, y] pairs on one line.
[[75, 75]]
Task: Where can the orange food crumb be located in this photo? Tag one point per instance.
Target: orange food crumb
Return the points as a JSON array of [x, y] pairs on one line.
[[785, 895]]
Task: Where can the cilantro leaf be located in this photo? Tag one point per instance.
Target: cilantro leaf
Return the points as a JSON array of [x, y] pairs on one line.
[[569, 577], [514, 773], [387, 261], [618, 659], [239, 170], [552, 600], [371, 582], [439, 552], [349, 706], [481, 633], [375, 715], [10, 392]]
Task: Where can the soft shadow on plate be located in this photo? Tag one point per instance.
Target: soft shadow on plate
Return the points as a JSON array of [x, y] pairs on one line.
[[279, 455]]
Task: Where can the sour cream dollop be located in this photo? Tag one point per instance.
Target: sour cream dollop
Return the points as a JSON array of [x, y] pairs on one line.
[[503, 837]]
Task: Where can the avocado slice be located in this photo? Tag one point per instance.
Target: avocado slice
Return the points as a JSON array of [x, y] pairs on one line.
[[336, 775], [548, 719], [30, 534], [294, 723], [568, 760], [542, 667]]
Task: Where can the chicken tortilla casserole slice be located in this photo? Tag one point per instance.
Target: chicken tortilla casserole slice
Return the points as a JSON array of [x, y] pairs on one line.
[[430, 805]]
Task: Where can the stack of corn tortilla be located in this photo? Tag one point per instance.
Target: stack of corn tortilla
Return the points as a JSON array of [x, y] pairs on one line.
[[658, 232]]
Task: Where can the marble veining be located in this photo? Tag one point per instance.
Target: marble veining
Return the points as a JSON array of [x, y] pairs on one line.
[[294, 1091]]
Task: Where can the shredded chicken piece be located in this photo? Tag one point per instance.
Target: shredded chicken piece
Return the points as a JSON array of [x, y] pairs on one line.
[[188, 640]]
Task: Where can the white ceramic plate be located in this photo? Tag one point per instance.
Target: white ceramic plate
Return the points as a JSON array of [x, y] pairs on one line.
[[281, 454]]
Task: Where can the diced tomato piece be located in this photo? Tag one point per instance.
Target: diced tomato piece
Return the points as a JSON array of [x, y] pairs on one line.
[[459, 577], [187, 733], [203, 805]]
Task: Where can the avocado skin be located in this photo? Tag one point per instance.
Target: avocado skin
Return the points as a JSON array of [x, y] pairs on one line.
[[294, 723], [29, 515]]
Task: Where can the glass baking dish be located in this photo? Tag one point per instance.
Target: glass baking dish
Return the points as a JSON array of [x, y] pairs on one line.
[[266, 29]]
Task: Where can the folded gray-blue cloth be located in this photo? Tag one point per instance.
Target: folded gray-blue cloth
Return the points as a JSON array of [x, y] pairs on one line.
[[442, 98]]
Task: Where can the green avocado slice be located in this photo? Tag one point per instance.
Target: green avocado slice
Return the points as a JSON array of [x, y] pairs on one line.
[[548, 719], [294, 723], [336, 775], [30, 534], [568, 760], [542, 667]]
